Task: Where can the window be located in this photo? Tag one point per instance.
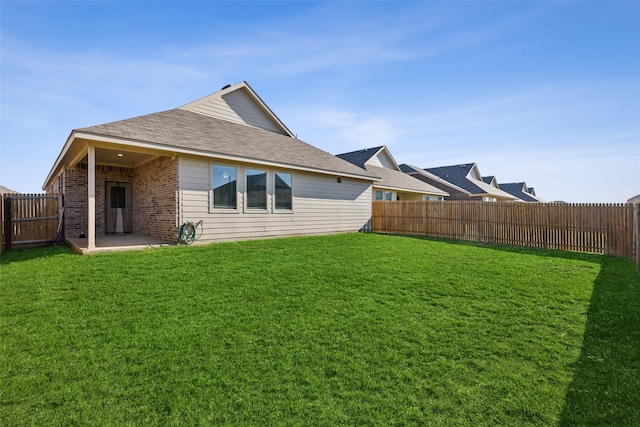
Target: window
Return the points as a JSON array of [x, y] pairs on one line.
[[284, 195], [387, 195], [224, 187], [378, 194], [256, 189]]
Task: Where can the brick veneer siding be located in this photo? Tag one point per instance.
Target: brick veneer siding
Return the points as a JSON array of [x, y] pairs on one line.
[[154, 188], [73, 182], [155, 199]]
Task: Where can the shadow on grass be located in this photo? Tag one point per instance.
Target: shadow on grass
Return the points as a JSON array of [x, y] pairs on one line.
[[606, 385], [26, 254], [605, 390]]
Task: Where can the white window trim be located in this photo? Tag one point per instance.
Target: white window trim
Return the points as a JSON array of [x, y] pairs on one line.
[[245, 193], [239, 189], [273, 194]]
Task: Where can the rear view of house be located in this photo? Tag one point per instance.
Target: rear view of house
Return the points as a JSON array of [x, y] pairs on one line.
[[226, 160]]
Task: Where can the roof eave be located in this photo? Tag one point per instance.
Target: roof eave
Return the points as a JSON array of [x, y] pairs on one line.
[[56, 164], [209, 154], [408, 190]]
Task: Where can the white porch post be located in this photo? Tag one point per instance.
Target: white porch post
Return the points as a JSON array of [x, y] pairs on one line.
[[91, 185]]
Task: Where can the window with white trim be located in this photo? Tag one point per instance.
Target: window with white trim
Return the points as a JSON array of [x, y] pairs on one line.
[[283, 191], [225, 194], [256, 189]]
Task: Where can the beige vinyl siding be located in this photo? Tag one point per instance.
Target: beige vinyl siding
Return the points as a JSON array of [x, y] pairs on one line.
[[237, 107], [381, 160], [321, 205]]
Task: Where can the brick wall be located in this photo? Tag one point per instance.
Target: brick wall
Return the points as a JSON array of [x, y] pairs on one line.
[[155, 189], [75, 200], [72, 182], [104, 174]]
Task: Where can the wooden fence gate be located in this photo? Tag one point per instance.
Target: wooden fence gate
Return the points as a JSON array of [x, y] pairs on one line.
[[30, 219]]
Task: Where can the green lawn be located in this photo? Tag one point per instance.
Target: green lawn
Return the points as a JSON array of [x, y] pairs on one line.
[[355, 329]]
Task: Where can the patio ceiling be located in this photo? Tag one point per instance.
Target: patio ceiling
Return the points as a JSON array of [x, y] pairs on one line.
[[112, 155]]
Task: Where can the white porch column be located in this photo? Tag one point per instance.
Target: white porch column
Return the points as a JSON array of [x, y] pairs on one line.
[[91, 186]]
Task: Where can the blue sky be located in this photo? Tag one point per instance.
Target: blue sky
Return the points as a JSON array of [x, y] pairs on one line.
[[542, 92]]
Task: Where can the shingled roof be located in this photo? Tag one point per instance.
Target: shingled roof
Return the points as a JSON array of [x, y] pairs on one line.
[[457, 175], [392, 179], [460, 177], [517, 189], [360, 157], [195, 132]]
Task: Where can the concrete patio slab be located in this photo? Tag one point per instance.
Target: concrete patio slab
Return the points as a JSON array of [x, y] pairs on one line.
[[115, 243]]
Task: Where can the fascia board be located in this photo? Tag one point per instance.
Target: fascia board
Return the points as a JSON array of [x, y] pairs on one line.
[[490, 190], [407, 190], [268, 110], [56, 164]]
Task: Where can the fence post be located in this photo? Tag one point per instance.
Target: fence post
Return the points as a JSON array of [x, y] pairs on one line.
[[8, 226], [636, 234]]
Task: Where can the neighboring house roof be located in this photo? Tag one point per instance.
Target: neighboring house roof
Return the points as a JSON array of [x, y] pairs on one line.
[[464, 177], [634, 199], [5, 190], [379, 162], [519, 190], [361, 157], [491, 180], [259, 139]]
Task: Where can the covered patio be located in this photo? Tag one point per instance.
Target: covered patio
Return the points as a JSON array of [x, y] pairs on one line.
[[115, 243]]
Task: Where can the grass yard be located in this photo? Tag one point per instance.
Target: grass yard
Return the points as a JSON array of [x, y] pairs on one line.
[[354, 329]]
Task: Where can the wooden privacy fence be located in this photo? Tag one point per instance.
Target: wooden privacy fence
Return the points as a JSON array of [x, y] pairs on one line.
[[594, 228], [30, 219]]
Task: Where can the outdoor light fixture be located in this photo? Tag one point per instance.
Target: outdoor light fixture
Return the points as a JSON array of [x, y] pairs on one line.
[[120, 155], [339, 180]]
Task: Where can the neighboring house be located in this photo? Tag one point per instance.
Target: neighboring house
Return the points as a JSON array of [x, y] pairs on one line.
[[225, 159], [5, 190], [521, 191], [462, 182], [393, 184]]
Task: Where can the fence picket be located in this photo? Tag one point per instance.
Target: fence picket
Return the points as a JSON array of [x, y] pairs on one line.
[[594, 228], [30, 219]]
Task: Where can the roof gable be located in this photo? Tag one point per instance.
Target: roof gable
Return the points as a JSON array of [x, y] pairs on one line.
[[519, 190], [238, 104], [376, 156], [360, 157]]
